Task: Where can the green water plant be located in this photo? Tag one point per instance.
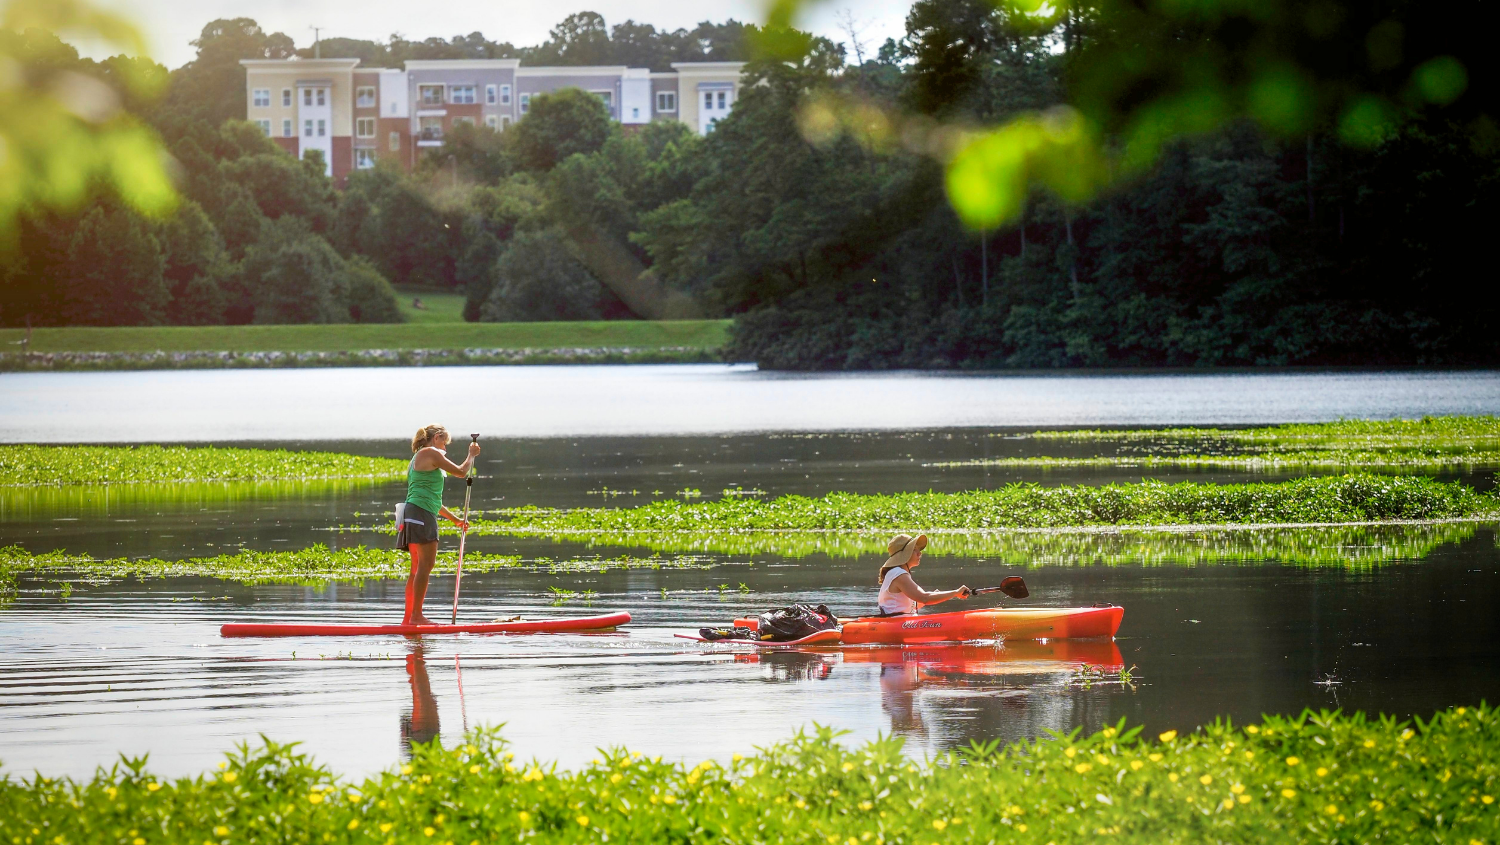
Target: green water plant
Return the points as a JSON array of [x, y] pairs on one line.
[[1315, 778], [1354, 498], [1348, 546], [1427, 444], [25, 464]]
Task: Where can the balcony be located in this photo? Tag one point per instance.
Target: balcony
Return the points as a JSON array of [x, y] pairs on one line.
[[430, 136]]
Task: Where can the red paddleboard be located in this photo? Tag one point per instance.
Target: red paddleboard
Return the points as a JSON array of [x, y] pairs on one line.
[[527, 626], [1009, 623]]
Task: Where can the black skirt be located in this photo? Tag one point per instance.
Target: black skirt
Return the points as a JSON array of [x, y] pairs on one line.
[[417, 526]]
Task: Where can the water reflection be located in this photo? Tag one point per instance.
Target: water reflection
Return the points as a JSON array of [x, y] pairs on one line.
[[419, 722]]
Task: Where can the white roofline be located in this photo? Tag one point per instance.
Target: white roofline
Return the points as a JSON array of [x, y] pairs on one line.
[[462, 64], [572, 70], [293, 64], [707, 66]]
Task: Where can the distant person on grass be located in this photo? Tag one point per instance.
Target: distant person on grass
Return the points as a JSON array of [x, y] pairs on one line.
[[899, 594], [417, 525]]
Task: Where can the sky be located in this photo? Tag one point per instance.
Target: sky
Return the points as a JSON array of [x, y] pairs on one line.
[[170, 24]]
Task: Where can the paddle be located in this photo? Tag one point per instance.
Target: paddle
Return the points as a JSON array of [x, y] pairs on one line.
[[463, 535], [1012, 586]]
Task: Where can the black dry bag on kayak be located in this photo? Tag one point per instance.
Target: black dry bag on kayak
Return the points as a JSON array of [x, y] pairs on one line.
[[795, 622]]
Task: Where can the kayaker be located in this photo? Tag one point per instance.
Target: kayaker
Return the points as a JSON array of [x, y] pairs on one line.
[[418, 529], [899, 593]]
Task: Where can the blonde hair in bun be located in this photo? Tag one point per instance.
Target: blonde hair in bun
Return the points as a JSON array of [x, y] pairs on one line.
[[425, 436]]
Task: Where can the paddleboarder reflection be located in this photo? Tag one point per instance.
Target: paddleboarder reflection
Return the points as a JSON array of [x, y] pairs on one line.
[[419, 724]]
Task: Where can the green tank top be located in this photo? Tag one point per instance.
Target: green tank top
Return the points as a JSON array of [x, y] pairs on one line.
[[424, 488]]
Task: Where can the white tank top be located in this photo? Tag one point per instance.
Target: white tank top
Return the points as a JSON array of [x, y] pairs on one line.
[[891, 603]]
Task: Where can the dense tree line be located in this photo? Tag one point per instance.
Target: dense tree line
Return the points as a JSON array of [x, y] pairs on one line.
[[1236, 249]]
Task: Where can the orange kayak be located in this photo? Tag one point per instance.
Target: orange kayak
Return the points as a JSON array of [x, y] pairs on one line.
[[1008, 623]]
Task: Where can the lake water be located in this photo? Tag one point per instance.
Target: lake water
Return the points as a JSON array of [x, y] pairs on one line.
[[138, 666], [372, 403]]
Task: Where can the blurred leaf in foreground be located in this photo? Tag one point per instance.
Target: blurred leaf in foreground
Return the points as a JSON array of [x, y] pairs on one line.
[[65, 135]]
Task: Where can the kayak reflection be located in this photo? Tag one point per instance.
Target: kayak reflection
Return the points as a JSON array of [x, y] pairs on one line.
[[419, 723], [946, 682]]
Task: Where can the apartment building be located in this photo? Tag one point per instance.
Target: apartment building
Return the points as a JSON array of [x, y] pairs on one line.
[[357, 116]]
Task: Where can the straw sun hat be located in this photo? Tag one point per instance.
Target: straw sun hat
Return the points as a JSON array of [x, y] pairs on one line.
[[901, 548]]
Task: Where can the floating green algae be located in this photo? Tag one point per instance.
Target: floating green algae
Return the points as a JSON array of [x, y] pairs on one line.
[[22, 465], [89, 500], [1352, 547], [1316, 778], [1431, 443], [1357, 498]]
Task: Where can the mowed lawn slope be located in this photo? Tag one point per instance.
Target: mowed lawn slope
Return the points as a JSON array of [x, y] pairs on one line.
[[636, 334]]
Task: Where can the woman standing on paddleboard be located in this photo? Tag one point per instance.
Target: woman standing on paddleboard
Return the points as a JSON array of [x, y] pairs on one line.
[[899, 594], [417, 529]]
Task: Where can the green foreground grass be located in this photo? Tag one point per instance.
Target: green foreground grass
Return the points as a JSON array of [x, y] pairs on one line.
[[436, 307], [22, 465], [1355, 498], [1430, 443], [1317, 778], [636, 334]]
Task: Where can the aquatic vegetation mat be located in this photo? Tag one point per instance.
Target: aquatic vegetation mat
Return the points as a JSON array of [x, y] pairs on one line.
[[1318, 778], [1350, 546], [1431, 443], [1355, 498], [30, 465], [313, 565]]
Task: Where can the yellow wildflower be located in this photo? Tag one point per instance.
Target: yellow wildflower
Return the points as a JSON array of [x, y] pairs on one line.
[[1408, 733], [1249, 755], [354, 824], [866, 805], [1244, 799], [229, 777], [939, 824], [1167, 736], [1021, 827], [1082, 768], [1102, 760], [1228, 803], [672, 799], [1108, 732], [1288, 793], [616, 777], [1136, 765], [583, 821], [1369, 743], [738, 757], [1292, 761], [153, 786], [1488, 799], [406, 770], [1155, 758], [1252, 729], [1071, 752], [1206, 780], [137, 841], [474, 769], [386, 827], [1172, 777], [427, 831], [221, 830], [1377, 806], [524, 816], [1462, 710], [848, 767], [1331, 809]]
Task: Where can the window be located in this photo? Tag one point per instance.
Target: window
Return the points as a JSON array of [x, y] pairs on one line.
[[525, 103], [322, 128], [708, 99], [395, 142], [666, 101], [492, 121], [432, 129], [307, 128], [721, 99], [466, 120], [265, 126], [393, 108], [286, 128], [286, 97], [504, 95], [490, 95], [364, 97], [635, 113], [322, 96], [260, 97], [430, 95], [504, 122], [461, 94], [364, 159], [607, 96], [306, 96], [364, 127]]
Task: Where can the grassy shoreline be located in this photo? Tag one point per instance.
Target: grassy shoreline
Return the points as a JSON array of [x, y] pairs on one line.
[[1321, 778], [23, 465], [345, 337]]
